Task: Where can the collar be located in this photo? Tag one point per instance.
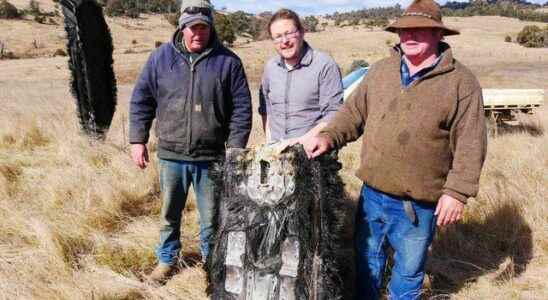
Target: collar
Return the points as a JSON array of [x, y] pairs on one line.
[[446, 61], [307, 56], [407, 79]]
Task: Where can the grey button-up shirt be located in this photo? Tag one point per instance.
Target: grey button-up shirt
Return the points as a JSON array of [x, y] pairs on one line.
[[296, 100]]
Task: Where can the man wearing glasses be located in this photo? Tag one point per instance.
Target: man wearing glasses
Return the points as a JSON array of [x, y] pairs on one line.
[[198, 92], [301, 88]]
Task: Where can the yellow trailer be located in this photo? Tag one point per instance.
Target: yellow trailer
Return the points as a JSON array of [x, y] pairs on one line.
[[503, 104]]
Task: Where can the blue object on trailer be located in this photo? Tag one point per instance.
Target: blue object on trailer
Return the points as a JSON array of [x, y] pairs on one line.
[[358, 74], [352, 80]]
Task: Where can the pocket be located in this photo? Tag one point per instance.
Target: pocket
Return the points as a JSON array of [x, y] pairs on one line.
[[172, 120]]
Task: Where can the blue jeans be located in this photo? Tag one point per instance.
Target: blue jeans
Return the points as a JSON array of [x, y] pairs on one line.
[[175, 179], [381, 222]]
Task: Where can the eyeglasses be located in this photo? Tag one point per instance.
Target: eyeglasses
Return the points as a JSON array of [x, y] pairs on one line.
[[287, 36], [193, 10]]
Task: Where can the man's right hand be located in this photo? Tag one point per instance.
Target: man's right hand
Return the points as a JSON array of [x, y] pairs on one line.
[[316, 145], [139, 155]]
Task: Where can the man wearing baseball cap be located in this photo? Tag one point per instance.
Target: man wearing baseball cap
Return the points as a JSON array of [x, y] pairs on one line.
[[424, 143], [197, 91]]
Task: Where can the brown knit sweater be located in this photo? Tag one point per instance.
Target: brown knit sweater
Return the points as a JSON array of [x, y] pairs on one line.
[[422, 141]]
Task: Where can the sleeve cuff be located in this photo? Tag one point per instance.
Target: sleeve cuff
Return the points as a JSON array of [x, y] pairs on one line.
[[138, 140], [462, 198]]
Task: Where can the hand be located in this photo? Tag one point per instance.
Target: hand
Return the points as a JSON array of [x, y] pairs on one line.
[[449, 210], [316, 145], [286, 143], [139, 155]]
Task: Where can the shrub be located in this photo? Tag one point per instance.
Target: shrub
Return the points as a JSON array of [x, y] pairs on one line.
[[133, 8], [4, 54], [532, 36], [133, 12], [356, 64], [508, 39], [39, 15], [160, 6], [157, 44], [172, 18], [9, 55], [40, 19], [376, 22], [34, 8], [8, 11], [60, 52], [116, 8]]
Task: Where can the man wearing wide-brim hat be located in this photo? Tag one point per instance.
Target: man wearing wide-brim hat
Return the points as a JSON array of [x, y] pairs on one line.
[[424, 142], [197, 91]]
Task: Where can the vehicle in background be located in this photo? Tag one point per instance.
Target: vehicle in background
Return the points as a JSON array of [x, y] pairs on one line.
[[504, 104]]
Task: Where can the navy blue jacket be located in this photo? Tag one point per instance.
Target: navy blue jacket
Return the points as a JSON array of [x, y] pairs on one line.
[[200, 107]]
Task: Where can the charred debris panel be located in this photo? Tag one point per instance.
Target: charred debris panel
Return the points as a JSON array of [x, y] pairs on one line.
[[279, 227], [93, 83]]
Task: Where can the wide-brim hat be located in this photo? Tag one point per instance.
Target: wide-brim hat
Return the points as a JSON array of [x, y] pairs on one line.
[[421, 14]]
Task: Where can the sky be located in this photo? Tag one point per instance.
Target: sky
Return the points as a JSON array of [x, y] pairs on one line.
[[314, 7]]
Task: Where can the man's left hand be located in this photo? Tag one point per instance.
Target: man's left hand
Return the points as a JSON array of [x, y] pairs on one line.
[[449, 210], [288, 142]]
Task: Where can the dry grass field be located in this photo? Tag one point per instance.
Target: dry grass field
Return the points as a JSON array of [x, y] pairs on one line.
[[79, 221]]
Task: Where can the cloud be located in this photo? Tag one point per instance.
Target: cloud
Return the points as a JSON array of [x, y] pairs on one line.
[[315, 7]]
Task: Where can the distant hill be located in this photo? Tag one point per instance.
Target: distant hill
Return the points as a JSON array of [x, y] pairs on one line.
[[519, 9], [515, 3]]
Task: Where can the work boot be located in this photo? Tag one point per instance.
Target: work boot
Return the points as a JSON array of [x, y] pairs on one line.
[[161, 273]]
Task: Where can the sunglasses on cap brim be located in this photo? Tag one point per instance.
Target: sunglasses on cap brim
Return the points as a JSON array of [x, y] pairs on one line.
[[193, 10]]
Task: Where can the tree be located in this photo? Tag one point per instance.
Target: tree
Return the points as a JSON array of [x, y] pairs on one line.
[[8, 11], [258, 30], [224, 29], [311, 23], [324, 25], [241, 22]]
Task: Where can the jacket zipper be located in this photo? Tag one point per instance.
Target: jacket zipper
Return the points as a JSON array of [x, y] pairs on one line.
[[191, 94], [190, 98]]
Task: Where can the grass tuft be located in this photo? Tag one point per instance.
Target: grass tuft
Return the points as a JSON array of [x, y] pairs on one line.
[[10, 175], [33, 138], [123, 260]]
